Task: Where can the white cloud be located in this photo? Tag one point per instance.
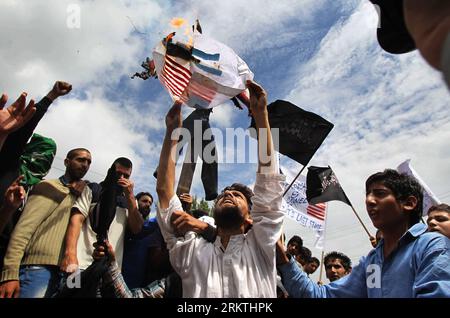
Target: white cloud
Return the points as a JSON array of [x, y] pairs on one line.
[[39, 48], [95, 124]]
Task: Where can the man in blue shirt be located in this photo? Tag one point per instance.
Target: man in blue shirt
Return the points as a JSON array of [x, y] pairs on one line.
[[408, 261], [144, 251]]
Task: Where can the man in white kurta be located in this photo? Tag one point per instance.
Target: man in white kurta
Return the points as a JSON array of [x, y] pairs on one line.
[[241, 262]]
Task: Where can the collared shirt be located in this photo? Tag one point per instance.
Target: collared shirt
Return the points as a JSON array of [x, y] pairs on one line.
[[246, 268], [418, 267]]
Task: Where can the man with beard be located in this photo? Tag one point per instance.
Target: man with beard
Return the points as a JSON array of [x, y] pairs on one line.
[[80, 235], [36, 247], [241, 260], [144, 251]]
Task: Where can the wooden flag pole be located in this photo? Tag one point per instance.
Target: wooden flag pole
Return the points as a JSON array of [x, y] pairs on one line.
[[295, 179], [360, 221]]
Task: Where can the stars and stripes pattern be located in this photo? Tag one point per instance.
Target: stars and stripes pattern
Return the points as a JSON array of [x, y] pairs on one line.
[[317, 210], [180, 84], [175, 77], [201, 91]]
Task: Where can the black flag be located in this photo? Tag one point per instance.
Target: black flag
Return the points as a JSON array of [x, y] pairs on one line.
[[301, 133], [323, 186]]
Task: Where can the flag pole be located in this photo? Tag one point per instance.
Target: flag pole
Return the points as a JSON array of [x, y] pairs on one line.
[[354, 211], [293, 181], [321, 267], [360, 221]]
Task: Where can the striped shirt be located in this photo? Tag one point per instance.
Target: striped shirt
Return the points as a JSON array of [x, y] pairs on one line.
[[113, 279]]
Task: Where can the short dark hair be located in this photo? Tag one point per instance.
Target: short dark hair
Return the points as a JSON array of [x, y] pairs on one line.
[[246, 191], [305, 253], [296, 239], [345, 260], [72, 153], [439, 207], [402, 186], [314, 260], [124, 162], [141, 194]]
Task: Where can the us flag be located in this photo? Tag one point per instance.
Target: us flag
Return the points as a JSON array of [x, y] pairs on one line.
[[175, 77], [201, 91], [317, 210]]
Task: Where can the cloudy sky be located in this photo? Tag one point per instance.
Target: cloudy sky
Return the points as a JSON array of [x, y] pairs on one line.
[[321, 55]]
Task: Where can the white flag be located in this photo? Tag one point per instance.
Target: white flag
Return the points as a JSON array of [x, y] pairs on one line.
[[296, 207], [429, 199]]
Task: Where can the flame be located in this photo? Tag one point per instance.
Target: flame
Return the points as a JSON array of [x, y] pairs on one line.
[[177, 22], [190, 42], [188, 33]]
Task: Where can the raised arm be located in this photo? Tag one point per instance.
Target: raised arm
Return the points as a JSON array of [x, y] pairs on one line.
[[166, 169], [15, 143], [258, 107], [15, 116]]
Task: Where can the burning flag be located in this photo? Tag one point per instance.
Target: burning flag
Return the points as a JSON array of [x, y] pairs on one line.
[[202, 72]]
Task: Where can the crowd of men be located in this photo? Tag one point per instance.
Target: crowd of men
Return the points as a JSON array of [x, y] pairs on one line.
[[51, 229]]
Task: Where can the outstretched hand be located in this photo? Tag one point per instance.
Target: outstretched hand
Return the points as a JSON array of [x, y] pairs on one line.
[[16, 115]]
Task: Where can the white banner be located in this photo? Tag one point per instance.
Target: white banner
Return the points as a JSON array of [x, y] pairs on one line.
[[429, 199], [296, 207]]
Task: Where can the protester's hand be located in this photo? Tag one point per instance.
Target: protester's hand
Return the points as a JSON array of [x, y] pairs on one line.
[[258, 99], [16, 115], [320, 283], [186, 198], [373, 241], [10, 289], [173, 117], [281, 257], [76, 188], [183, 222], [127, 185], [99, 251], [14, 195], [69, 263], [59, 89]]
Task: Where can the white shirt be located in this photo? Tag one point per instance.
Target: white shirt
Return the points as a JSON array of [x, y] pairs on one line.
[[246, 268], [116, 232]]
